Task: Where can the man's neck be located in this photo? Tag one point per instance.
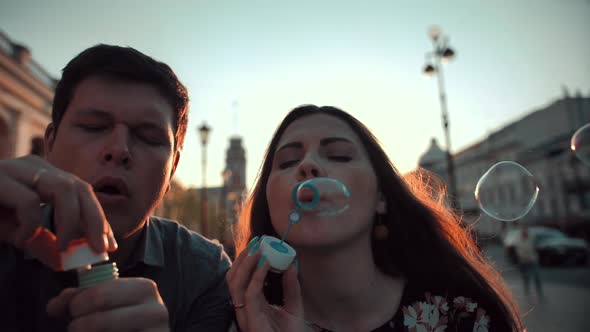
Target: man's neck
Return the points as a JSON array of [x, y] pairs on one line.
[[128, 244]]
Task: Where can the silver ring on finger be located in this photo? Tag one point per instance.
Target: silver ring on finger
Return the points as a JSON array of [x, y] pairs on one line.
[[236, 305]]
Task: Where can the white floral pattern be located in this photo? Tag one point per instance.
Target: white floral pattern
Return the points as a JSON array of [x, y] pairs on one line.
[[434, 314]]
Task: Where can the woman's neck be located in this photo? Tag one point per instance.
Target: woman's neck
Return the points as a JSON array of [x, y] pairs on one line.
[[344, 290]]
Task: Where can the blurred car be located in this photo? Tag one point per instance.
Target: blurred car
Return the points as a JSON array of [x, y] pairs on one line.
[[553, 247]]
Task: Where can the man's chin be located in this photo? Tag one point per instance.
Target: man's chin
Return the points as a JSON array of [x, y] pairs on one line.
[[122, 224]]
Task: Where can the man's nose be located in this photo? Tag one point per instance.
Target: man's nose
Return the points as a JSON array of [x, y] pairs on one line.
[[117, 149]]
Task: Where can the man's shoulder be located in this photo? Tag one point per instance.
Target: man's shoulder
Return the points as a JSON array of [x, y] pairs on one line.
[[177, 238]]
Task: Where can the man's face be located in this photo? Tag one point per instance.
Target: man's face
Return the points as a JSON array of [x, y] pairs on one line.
[[118, 136]]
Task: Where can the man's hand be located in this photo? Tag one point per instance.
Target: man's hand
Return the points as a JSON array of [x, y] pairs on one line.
[[29, 181], [126, 304]]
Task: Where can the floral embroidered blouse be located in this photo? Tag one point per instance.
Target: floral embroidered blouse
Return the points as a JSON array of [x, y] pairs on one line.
[[423, 311]]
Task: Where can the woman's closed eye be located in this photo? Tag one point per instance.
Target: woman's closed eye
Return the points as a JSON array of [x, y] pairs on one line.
[[288, 163], [340, 158]]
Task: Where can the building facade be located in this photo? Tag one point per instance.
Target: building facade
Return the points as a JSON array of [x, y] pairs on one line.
[[539, 141], [234, 179], [26, 95]]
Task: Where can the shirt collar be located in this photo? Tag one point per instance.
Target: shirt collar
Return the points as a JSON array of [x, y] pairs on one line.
[[151, 249]]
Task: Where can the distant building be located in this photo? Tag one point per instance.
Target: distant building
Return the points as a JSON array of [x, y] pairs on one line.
[[234, 176], [26, 94], [539, 141], [434, 160]]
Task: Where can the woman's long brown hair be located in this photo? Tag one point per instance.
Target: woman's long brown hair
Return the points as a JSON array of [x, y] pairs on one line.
[[428, 243]]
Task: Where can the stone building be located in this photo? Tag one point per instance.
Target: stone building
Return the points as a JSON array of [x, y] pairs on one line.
[[539, 141], [26, 94]]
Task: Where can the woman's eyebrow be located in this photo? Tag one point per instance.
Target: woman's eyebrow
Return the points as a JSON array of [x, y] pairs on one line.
[[323, 142], [297, 145], [329, 140]]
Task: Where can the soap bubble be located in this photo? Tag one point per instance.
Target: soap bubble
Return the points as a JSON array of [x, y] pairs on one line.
[[580, 144], [507, 191], [323, 196]]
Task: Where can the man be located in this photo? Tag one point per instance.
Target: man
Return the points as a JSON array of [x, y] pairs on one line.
[[528, 261], [118, 124]]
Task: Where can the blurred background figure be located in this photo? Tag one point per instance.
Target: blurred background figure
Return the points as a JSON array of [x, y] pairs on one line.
[[528, 262]]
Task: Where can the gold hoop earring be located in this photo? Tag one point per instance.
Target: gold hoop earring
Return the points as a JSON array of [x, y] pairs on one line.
[[380, 231]]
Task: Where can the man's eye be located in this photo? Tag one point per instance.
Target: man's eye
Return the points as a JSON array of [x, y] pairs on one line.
[[287, 164], [150, 139], [92, 128], [341, 159]]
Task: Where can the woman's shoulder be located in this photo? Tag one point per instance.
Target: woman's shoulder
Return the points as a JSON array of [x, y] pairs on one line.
[[439, 310]]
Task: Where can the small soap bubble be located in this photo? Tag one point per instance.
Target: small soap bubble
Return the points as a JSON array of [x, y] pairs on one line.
[[323, 196], [507, 191], [580, 144]]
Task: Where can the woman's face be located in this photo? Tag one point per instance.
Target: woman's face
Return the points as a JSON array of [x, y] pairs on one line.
[[322, 146]]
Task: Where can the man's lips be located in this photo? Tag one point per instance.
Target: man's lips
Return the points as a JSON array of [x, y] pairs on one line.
[[111, 186]]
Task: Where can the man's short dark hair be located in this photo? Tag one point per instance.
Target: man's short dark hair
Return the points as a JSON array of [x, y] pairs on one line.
[[123, 63]]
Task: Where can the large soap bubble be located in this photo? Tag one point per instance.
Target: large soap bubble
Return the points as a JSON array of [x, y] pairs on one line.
[[507, 191]]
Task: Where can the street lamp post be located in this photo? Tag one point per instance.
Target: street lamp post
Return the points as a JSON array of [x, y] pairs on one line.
[[204, 131], [442, 52]]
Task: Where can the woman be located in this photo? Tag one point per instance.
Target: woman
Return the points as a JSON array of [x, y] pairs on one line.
[[395, 260]]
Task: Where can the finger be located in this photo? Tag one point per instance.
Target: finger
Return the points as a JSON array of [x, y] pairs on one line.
[[59, 305], [241, 276], [253, 244], [43, 246], [59, 187], [95, 222], [292, 292], [26, 204], [48, 184], [66, 214], [114, 294], [254, 296], [239, 283], [112, 243], [23, 169], [128, 318]]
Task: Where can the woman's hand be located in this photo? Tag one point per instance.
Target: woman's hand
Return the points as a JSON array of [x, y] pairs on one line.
[[253, 313]]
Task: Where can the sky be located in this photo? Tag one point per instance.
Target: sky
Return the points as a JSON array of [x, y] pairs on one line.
[[246, 63]]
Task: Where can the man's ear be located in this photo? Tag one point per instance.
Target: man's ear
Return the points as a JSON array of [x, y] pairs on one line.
[[49, 138], [381, 205], [174, 165]]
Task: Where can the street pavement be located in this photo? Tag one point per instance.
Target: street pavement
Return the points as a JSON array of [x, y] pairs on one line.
[[566, 304]]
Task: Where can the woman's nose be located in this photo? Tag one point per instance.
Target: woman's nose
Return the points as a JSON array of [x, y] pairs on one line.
[[309, 168]]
